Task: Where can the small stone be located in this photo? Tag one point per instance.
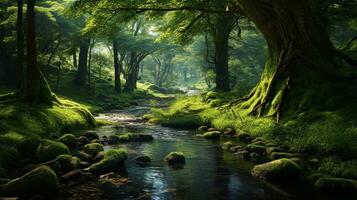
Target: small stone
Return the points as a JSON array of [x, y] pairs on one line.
[[70, 176], [203, 128], [259, 149], [227, 145], [212, 135], [211, 129], [82, 140]]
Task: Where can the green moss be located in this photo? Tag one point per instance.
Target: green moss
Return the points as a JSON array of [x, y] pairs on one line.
[[181, 121], [282, 169], [125, 137], [40, 181], [67, 163], [41, 119], [213, 135], [339, 168], [49, 150], [175, 158], [68, 139], [112, 160], [93, 148]]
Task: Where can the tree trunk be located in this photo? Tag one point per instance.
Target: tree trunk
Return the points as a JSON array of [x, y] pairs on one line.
[[221, 39], [74, 54], [117, 67], [301, 71], [20, 47], [37, 89], [133, 72], [91, 46], [81, 75]]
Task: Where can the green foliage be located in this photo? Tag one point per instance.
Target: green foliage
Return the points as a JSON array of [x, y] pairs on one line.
[[335, 167]]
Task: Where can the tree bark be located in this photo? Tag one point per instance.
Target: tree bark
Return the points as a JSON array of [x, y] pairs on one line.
[[81, 75], [221, 38], [301, 70], [20, 47], [117, 67], [37, 89]]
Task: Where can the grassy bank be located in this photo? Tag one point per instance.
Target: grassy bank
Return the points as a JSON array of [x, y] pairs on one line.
[[329, 136]]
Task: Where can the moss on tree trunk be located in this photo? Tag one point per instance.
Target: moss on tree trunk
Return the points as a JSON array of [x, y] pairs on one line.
[[302, 62]]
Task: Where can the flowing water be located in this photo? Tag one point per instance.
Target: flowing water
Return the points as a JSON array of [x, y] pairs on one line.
[[209, 173]]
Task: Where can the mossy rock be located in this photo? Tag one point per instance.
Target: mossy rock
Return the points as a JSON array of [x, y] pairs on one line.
[[28, 146], [49, 150], [212, 135], [41, 181], [270, 150], [68, 139], [113, 139], [83, 156], [91, 135], [278, 155], [282, 169], [336, 185], [67, 163], [175, 158], [125, 137], [227, 145], [112, 161], [259, 149], [183, 121], [142, 138], [143, 160], [9, 157], [93, 148], [212, 95], [244, 137]]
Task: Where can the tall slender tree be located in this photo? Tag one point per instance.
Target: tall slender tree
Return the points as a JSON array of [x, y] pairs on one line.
[[20, 46]]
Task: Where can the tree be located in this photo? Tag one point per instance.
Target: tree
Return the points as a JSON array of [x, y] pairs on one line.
[[36, 89], [20, 46], [302, 66]]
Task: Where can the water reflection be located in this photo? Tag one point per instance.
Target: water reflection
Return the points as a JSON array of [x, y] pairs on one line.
[[208, 174]]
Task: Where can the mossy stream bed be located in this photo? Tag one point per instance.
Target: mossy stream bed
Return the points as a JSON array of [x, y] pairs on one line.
[[209, 172]]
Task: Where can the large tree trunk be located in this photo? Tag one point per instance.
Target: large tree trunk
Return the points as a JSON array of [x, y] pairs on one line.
[[117, 67], [301, 71], [20, 47], [37, 89], [133, 72], [221, 38], [81, 75]]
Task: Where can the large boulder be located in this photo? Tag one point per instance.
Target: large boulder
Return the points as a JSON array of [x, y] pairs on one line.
[[68, 139], [336, 185], [49, 150], [93, 148], [112, 161], [175, 158], [40, 181], [282, 169]]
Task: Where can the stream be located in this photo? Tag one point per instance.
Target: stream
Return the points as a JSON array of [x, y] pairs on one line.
[[209, 173]]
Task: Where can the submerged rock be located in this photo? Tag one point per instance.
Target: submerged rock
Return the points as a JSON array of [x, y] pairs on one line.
[[93, 148], [68, 139], [113, 139], [112, 161], [143, 160], [235, 148], [175, 158], [336, 185], [49, 150], [212, 135], [244, 155], [278, 155], [40, 181], [227, 145], [282, 169]]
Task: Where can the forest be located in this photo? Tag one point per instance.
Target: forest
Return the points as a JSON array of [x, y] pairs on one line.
[[178, 99]]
